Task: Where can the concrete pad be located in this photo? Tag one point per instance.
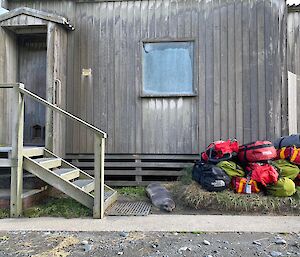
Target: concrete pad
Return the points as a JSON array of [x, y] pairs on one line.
[[180, 223]]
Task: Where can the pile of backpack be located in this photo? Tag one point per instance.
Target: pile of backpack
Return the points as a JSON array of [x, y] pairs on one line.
[[259, 166]]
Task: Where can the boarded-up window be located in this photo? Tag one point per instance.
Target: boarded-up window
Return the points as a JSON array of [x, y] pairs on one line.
[[168, 68]]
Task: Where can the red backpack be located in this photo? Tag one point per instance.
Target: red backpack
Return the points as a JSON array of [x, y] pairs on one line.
[[220, 151], [257, 151], [262, 172]]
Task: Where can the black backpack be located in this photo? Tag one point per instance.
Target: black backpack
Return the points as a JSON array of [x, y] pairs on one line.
[[210, 177]]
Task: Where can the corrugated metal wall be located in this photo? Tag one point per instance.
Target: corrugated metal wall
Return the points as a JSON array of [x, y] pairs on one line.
[[293, 49], [240, 73]]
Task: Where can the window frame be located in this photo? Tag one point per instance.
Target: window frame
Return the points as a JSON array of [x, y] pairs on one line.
[[168, 40]]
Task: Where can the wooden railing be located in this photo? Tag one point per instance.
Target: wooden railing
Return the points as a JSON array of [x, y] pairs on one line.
[[17, 149]]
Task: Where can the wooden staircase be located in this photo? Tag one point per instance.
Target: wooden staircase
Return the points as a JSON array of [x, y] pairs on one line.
[[64, 176], [88, 190]]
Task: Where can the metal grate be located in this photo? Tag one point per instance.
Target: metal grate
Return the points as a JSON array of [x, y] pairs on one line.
[[129, 209]]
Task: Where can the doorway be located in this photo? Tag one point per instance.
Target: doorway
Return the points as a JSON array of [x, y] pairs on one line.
[[32, 67]]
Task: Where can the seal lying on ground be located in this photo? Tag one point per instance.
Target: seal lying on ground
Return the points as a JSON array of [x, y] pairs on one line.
[[160, 197]]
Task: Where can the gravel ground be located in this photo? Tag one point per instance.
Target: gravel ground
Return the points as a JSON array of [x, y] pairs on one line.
[[62, 244]]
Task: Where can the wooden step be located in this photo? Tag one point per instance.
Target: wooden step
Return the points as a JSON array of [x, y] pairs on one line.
[[33, 151], [67, 174], [87, 185], [49, 163]]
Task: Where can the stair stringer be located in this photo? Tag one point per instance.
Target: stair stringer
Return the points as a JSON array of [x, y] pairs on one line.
[[56, 181]]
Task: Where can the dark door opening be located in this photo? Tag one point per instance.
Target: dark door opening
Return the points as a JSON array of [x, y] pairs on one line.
[[32, 72]]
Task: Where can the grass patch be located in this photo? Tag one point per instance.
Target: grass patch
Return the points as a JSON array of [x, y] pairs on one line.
[[4, 213], [195, 197], [59, 207], [186, 178], [132, 192]]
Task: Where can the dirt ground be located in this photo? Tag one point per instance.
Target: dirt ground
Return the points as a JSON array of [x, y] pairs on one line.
[[150, 244]]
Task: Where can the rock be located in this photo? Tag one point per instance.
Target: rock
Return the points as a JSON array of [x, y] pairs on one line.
[[225, 248], [120, 253], [206, 242], [280, 241], [154, 245], [184, 248], [275, 254], [256, 243], [175, 233], [87, 247], [124, 234], [226, 242], [208, 256], [84, 242]]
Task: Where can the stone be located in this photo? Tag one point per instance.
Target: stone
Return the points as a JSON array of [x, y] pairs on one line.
[[124, 234], [84, 242], [120, 253], [184, 248], [280, 241], [206, 242], [87, 247], [275, 254], [256, 243]]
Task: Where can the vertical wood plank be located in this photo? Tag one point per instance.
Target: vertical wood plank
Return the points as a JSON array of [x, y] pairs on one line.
[[231, 72], [99, 150], [253, 57], [224, 93], [239, 71], [49, 85], [217, 70], [261, 70], [16, 187]]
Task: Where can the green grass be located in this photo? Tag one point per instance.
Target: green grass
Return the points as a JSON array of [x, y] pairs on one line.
[[186, 178], [194, 196], [132, 192], [59, 207], [4, 213]]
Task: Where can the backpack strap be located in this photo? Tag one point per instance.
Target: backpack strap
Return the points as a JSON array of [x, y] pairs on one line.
[[279, 145]]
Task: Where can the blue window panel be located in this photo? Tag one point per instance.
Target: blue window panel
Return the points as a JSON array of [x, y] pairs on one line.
[[168, 68]]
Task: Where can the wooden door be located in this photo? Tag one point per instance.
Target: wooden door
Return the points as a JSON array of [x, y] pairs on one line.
[[32, 72]]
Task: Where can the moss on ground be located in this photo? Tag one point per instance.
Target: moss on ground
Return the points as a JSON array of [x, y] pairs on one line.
[[132, 192]]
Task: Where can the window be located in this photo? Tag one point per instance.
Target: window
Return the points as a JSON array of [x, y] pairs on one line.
[[168, 68]]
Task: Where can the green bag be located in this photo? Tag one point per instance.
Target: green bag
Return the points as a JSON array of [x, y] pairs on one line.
[[286, 169], [284, 187], [231, 169]]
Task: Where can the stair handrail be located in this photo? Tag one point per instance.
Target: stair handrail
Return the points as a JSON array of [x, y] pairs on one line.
[[99, 149], [63, 112]]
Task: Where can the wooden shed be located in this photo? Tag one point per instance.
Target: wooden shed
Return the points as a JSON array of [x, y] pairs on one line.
[[163, 78]]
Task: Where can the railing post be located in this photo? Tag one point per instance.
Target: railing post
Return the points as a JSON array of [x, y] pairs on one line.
[[17, 152], [99, 150]]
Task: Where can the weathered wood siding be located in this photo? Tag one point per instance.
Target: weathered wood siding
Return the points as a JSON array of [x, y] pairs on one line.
[[293, 50], [240, 72], [8, 66]]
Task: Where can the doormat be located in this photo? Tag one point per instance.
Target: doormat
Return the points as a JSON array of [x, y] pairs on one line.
[[129, 209]]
